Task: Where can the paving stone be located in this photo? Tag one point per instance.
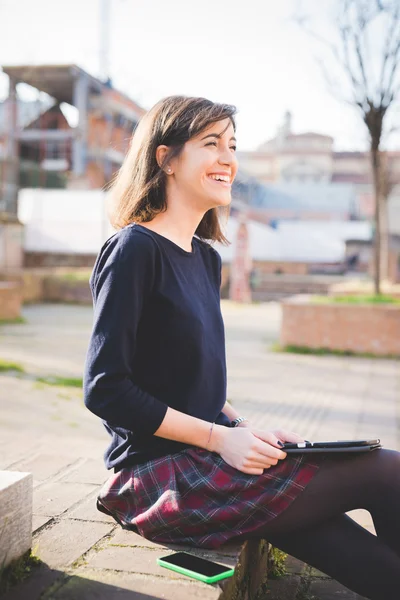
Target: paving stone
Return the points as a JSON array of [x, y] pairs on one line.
[[124, 537], [332, 590], [87, 511], [363, 517], [38, 521], [52, 499], [15, 449], [293, 565], [284, 588], [90, 471], [66, 541], [43, 466], [135, 560], [108, 585], [33, 587]]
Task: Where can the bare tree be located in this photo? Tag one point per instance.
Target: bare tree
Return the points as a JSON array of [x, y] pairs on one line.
[[388, 182], [372, 78]]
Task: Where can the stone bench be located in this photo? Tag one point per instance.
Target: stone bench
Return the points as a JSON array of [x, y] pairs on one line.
[[15, 515], [251, 572]]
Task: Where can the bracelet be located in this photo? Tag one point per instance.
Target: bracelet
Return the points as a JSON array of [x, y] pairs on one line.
[[211, 430], [237, 421]]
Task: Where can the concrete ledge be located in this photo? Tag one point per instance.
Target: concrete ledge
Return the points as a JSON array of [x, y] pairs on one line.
[[251, 573], [15, 515], [358, 328]]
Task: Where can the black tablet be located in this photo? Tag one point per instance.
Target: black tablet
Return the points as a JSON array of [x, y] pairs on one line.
[[339, 446]]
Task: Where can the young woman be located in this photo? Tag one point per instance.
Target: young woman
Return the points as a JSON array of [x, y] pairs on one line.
[[187, 468]]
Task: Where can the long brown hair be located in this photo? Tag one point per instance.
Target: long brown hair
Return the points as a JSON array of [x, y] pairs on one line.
[[138, 192]]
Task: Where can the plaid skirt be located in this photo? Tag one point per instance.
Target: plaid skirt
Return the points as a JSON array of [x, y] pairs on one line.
[[195, 498]]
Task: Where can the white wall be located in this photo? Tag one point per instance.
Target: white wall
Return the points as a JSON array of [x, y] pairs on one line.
[[75, 222], [63, 221], [303, 241]]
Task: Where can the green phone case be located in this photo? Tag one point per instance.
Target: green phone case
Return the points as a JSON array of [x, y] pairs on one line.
[[195, 575]]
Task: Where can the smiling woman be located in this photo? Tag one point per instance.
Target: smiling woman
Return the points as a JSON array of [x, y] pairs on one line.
[[183, 150], [187, 468]]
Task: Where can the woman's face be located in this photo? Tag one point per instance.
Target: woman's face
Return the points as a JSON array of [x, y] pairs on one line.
[[204, 171]]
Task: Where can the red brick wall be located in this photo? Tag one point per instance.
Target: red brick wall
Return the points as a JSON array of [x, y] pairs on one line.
[[294, 268], [10, 300], [394, 266], [373, 329], [51, 259]]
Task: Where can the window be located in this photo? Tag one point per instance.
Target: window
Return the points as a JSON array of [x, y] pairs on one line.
[[55, 150]]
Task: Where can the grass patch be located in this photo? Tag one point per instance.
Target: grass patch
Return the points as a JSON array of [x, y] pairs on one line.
[[357, 299], [18, 570], [15, 321], [61, 381], [10, 366], [41, 382], [329, 352]]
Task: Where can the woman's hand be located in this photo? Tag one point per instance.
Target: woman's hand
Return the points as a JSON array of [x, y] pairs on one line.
[[246, 449], [283, 435]]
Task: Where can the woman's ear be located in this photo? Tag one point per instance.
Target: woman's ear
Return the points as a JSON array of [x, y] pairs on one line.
[[161, 154]]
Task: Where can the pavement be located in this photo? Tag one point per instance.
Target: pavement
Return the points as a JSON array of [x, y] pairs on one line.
[[47, 430]]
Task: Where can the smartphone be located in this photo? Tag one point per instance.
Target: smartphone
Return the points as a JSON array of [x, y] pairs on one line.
[[193, 566]]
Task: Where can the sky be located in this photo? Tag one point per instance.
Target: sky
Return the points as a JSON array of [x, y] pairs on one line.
[[249, 53]]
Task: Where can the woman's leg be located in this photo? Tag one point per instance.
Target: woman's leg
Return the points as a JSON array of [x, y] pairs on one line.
[[370, 481], [315, 529], [347, 552]]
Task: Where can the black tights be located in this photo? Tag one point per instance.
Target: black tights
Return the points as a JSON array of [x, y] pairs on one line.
[[315, 529]]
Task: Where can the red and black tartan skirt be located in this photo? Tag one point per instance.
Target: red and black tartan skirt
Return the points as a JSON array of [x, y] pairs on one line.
[[195, 498]]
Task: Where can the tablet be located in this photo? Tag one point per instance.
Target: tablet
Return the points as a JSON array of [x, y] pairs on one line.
[[339, 446]]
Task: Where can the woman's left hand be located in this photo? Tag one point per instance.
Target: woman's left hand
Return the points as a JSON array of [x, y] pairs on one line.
[[282, 434]]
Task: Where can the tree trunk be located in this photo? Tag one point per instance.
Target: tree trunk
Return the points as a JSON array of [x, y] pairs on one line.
[[384, 239], [376, 173]]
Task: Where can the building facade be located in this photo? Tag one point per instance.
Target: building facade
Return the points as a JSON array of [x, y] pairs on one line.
[[38, 147], [308, 159]]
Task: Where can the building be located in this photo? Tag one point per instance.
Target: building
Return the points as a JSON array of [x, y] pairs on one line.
[[304, 165], [38, 146]]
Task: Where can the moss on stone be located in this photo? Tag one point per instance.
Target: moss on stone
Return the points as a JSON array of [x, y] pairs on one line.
[[18, 570], [276, 563]]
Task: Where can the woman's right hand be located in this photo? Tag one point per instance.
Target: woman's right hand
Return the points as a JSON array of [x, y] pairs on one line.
[[241, 449]]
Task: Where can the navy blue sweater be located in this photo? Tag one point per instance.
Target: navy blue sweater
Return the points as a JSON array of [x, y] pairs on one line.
[[157, 341]]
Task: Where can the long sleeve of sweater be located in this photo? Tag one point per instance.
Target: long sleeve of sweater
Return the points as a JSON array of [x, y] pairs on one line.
[[121, 283]]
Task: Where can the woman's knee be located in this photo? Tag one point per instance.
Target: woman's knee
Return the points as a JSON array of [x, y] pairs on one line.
[[387, 467]]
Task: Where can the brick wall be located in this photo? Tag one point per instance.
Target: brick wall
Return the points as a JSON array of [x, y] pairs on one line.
[[269, 285], [51, 259], [295, 268], [10, 299], [394, 266], [373, 329], [50, 285], [56, 289]]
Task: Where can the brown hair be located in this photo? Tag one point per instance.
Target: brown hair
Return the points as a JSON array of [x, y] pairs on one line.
[[138, 190]]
